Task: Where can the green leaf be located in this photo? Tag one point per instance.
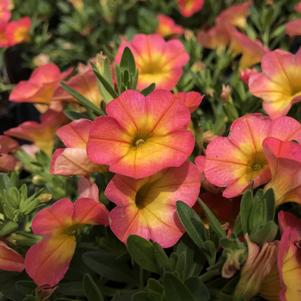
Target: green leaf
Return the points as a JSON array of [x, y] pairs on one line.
[[198, 289], [109, 266], [105, 83], [146, 296], [91, 289], [192, 223], [245, 210], [267, 232], [86, 103], [128, 61], [142, 251], [213, 221], [148, 89], [175, 290], [8, 227]]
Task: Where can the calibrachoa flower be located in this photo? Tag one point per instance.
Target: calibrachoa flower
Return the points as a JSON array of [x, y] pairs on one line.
[[73, 159], [283, 282], [188, 8], [218, 36], [191, 100], [235, 15], [141, 135], [284, 160], [147, 207], [84, 83], [279, 84], [158, 61], [168, 27], [10, 260], [47, 261], [5, 11], [245, 74], [289, 256], [41, 86], [293, 28], [251, 51], [7, 146], [41, 134], [238, 161], [18, 31]]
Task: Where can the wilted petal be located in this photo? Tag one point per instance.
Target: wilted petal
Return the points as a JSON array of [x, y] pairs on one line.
[[10, 260]]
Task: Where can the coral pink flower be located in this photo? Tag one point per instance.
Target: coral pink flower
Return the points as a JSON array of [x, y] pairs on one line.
[[5, 11], [283, 282], [7, 146], [87, 189], [73, 159], [298, 7], [289, 257], [215, 37], [158, 61], [41, 85], [18, 31], [84, 83], [279, 84], [188, 8], [238, 161], [10, 260], [251, 51], [246, 74], [147, 207], [235, 15], [293, 28], [41, 134], [47, 261], [191, 100], [284, 159], [168, 27], [141, 135], [3, 37], [218, 35]]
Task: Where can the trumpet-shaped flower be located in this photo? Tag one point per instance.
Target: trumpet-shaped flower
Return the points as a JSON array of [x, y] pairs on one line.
[[188, 8], [251, 51], [41, 134], [218, 36], [293, 28], [191, 100], [235, 15], [41, 85], [18, 31], [279, 84], [73, 159], [158, 61], [10, 260], [147, 207], [289, 257], [167, 26], [284, 159], [238, 161], [283, 282], [7, 146], [141, 135], [5, 11], [84, 83], [47, 261]]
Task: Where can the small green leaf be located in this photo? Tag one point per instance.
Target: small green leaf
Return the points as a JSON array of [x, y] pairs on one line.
[[176, 290], [245, 210], [105, 83], [198, 289], [213, 221], [142, 251], [148, 89], [86, 103], [91, 289], [128, 61], [267, 232]]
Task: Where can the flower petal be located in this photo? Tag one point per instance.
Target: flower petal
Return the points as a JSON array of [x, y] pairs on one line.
[[10, 260]]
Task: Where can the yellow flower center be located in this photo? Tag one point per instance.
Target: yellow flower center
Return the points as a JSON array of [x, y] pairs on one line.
[[139, 142], [256, 164], [141, 199]]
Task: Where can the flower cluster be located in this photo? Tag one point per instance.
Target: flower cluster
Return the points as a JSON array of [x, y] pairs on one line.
[[169, 138]]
